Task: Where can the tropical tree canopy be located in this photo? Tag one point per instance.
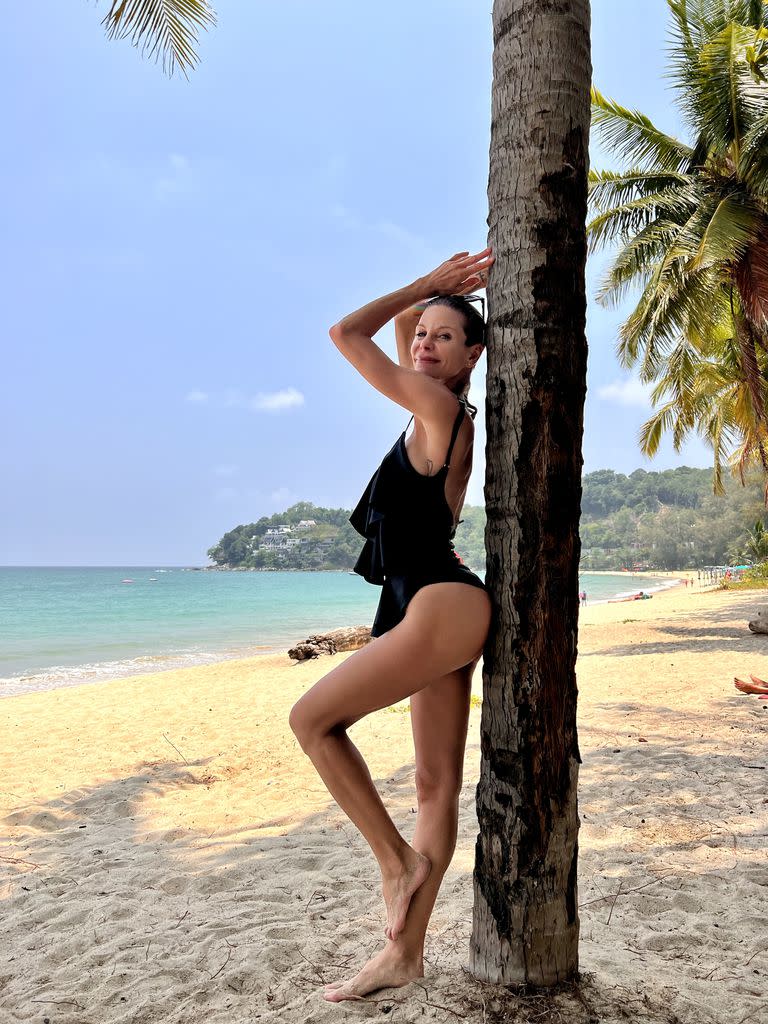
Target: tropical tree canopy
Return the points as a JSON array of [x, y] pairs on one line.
[[691, 223], [166, 30]]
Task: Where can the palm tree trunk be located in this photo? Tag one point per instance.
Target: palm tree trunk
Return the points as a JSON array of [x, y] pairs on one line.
[[526, 925]]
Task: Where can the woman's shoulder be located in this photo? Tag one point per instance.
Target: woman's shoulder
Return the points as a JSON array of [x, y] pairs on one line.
[[445, 414]]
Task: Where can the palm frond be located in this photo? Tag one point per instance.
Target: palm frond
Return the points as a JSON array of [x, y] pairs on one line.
[[621, 222], [654, 429], [612, 188], [163, 29], [731, 229], [670, 303], [756, 14], [635, 138], [726, 97], [751, 277], [753, 157], [751, 369], [634, 263]]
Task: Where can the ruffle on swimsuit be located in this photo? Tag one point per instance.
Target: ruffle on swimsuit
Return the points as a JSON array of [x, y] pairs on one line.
[[408, 528], [405, 517]]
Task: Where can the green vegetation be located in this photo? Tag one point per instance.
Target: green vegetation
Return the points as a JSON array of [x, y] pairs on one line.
[[330, 544], [752, 579], [668, 520], [691, 221]]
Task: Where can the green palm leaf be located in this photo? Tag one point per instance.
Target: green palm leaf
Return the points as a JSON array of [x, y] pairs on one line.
[[611, 188], [634, 136], [753, 158], [635, 262], [621, 222], [731, 229], [726, 97], [164, 29]]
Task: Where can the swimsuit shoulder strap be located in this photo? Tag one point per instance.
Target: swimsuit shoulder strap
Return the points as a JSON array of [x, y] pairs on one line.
[[455, 434]]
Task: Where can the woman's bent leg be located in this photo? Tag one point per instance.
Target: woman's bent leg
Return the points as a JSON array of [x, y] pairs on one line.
[[393, 667], [439, 719], [439, 716]]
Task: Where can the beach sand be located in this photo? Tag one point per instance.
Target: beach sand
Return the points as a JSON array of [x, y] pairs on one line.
[[170, 855]]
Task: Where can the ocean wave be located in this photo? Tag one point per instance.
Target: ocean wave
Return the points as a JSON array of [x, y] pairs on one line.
[[98, 672]]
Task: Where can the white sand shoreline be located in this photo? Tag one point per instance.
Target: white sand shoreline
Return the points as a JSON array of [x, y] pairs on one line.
[[63, 676]]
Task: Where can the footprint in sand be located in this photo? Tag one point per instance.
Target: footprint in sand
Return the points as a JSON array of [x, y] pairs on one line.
[[174, 886]]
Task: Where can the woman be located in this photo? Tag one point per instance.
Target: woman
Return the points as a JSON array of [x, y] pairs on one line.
[[434, 614]]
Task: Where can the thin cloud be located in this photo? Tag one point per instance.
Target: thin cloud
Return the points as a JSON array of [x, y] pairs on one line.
[[350, 221], [264, 401], [399, 234], [177, 180], [226, 494], [629, 391], [282, 496], [277, 401]]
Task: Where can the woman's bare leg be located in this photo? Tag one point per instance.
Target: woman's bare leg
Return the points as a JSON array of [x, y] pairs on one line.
[[393, 667], [439, 717]]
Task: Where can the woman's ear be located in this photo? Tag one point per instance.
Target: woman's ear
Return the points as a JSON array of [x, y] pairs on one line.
[[475, 353]]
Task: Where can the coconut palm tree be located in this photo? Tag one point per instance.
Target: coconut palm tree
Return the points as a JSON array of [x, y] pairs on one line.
[[754, 546], [692, 222], [701, 386], [166, 30], [526, 924]]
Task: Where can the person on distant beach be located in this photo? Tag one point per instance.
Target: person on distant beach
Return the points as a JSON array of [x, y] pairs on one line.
[[583, 597], [434, 613], [757, 686]]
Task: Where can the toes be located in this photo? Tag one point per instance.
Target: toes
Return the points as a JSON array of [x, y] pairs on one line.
[[337, 995]]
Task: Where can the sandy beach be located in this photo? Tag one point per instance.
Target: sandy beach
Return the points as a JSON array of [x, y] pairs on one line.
[[170, 855]]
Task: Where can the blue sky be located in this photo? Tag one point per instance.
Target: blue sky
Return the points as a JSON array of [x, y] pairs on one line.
[[175, 252]]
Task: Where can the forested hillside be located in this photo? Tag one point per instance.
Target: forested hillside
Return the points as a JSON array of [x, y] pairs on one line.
[[667, 520]]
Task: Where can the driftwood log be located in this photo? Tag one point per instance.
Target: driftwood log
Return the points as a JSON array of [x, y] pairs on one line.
[[760, 622], [348, 639]]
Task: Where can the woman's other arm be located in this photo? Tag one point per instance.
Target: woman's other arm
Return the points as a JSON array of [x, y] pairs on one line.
[[405, 331]]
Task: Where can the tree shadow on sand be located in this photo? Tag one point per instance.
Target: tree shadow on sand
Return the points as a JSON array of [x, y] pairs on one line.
[[726, 630]]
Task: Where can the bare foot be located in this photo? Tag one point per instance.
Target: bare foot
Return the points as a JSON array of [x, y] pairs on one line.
[[759, 682], [390, 968], [398, 890], [746, 687]]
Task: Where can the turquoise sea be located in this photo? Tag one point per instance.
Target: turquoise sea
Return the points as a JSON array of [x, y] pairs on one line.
[[65, 626]]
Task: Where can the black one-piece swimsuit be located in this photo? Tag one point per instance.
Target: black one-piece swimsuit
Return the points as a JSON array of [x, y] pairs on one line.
[[408, 526]]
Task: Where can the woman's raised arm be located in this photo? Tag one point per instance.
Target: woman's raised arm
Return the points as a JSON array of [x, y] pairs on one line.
[[353, 335]]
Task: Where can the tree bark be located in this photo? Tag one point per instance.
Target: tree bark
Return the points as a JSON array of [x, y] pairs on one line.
[[525, 923]]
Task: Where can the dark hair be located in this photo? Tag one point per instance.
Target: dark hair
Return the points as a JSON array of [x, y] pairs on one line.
[[474, 329]]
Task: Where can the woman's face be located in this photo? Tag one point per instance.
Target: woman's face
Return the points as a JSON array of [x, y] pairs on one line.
[[439, 346]]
